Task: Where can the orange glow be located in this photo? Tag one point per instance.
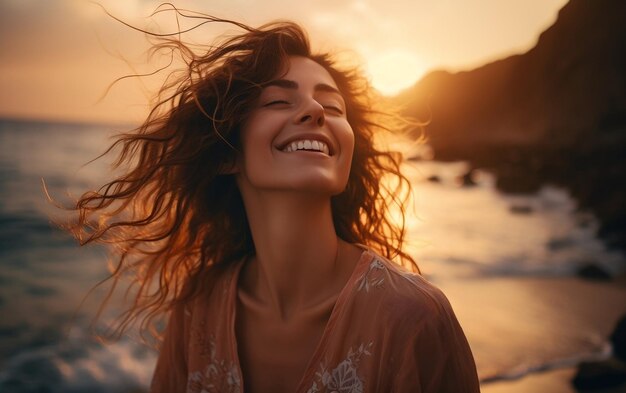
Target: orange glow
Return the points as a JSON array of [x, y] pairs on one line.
[[59, 57], [394, 71]]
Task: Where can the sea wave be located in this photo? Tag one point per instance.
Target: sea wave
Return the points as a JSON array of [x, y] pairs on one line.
[[80, 364]]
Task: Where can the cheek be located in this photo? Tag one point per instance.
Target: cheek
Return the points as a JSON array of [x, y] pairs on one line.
[[347, 140], [255, 136], [246, 152]]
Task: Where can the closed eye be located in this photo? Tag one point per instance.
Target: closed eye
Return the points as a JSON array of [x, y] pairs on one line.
[[277, 102], [334, 109]]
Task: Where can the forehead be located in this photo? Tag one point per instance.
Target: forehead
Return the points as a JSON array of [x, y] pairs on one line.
[[307, 72]]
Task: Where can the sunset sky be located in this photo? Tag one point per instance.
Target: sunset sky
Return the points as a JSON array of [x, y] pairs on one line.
[[58, 57]]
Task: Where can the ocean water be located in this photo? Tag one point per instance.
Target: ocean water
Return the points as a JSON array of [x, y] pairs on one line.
[[45, 343], [458, 234]]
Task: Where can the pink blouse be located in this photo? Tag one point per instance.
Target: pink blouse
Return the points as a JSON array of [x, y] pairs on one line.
[[389, 331]]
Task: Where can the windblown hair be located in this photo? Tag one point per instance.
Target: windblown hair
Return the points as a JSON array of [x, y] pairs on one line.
[[176, 220]]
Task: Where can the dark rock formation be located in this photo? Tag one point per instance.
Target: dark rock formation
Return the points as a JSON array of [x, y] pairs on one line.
[[434, 179], [593, 376], [554, 114], [618, 339], [467, 179], [606, 374], [593, 272], [521, 209]]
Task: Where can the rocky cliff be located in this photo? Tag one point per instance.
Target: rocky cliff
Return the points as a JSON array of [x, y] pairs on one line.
[[554, 114]]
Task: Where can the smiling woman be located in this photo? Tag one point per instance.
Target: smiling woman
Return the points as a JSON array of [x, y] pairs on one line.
[[253, 211], [297, 137]]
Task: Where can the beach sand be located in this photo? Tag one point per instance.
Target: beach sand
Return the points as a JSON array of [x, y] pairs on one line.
[[518, 324]]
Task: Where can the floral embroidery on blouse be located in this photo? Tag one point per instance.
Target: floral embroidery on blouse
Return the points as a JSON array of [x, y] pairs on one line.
[[344, 378], [218, 376], [373, 278]]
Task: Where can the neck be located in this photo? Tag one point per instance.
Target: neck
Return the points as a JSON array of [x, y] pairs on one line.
[[296, 263]]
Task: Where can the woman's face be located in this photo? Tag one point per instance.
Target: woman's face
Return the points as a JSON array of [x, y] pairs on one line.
[[297, 136]]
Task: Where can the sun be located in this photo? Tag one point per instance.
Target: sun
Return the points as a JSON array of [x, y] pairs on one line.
[[394, 71]]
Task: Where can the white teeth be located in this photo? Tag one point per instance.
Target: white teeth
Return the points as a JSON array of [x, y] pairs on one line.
[[307, 144]]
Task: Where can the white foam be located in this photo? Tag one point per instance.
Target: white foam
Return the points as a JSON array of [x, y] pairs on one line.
[[473, 231], [80, 364]]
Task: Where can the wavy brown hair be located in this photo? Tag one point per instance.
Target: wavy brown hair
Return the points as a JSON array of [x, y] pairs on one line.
[[176, 220]]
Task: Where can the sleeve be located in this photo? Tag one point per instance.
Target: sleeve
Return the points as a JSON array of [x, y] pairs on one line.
[[437, 357], [170, 374]]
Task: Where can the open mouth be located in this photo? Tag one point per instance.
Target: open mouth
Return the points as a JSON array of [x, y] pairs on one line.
[[307, 145]]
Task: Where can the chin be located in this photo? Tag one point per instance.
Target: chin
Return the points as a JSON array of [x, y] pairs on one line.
[[315, 187], [320, 185], [314, 182]]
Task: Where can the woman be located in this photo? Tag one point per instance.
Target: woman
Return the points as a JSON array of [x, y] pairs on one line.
[[254, 213]]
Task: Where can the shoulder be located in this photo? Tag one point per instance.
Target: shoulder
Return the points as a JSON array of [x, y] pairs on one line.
[[402, 295], [418, 331]]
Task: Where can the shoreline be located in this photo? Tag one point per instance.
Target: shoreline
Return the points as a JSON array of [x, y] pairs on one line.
[[529, 333], [554, 381]]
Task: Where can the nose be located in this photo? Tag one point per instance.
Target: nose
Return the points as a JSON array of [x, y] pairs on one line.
[[311, 113]]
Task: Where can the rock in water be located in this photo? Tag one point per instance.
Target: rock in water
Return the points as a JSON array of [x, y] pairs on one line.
[[607, 374], [521, 209], [593, 272], [600, 375], [618, 340], [434, 179], [467, 180]]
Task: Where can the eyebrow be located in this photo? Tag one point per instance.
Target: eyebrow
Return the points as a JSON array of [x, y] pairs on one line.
[[289, 84]]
